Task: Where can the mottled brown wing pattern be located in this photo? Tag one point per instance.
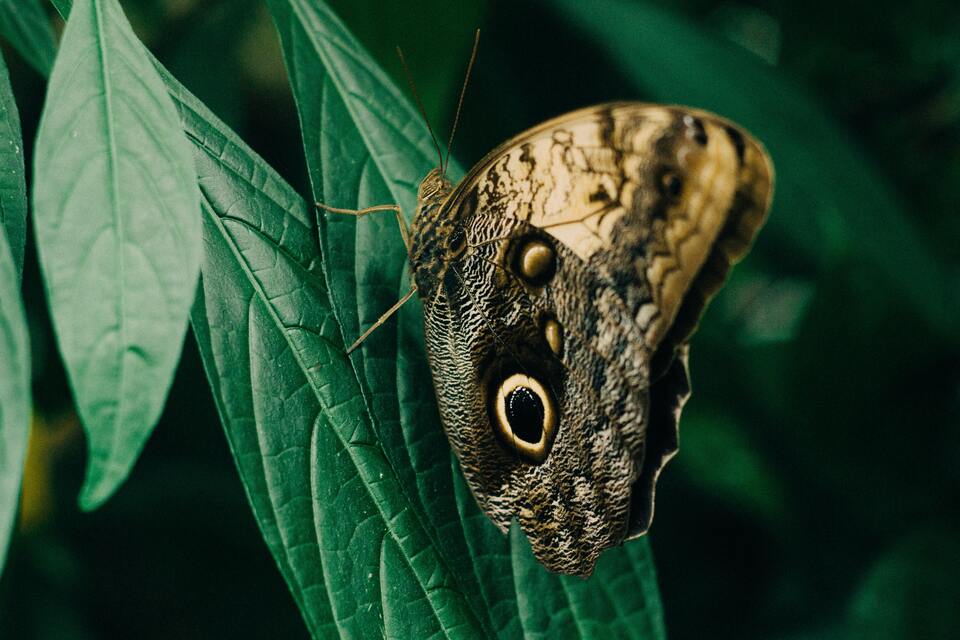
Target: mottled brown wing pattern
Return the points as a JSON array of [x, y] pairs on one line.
[[559, 279], [480, 331]]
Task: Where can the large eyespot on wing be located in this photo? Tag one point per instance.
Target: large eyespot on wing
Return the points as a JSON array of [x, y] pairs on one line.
[[524, 415]]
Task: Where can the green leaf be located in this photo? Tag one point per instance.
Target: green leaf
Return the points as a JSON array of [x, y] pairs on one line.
[[366, 145], [14, 391], [231, 159], [115, 204], [328, 502], [229, 172], [13, 186], [26, 25], [828, 197]]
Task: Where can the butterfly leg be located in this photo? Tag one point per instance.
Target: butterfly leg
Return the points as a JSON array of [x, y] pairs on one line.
[[401, 221], [404, 234], [386, 316]]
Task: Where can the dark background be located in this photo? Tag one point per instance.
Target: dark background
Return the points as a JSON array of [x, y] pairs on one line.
[[817, 493]]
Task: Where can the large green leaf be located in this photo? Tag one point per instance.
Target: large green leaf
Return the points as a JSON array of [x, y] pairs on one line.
[[271, 213], [365, 145], [25, 24], [14, 391], [13, 186], [828, 196], [14, 340], [115, 204], [364, 261], [327, 500]]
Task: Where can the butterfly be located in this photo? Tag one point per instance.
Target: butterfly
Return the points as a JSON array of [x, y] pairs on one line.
[[561, 279]]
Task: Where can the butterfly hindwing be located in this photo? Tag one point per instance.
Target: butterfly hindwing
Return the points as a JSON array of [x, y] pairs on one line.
[[483, 330]]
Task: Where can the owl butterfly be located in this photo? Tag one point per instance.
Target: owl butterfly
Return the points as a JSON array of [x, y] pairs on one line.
[[560, 281]]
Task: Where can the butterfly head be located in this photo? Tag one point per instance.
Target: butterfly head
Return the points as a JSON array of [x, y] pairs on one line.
[[433, 188], [433, 192]]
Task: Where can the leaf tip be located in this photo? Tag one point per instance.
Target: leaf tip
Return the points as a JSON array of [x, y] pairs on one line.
[[99, 485]]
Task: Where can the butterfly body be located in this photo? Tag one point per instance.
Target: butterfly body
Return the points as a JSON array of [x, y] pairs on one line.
[[560, 280]]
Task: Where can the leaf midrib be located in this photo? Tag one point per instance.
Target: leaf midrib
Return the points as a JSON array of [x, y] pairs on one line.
[[115, 210]]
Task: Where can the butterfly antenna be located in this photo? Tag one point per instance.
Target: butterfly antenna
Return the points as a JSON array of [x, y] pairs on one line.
[[463, 92], [416, 97]]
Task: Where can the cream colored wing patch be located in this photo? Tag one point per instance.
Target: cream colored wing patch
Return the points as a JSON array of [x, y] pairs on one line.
[[650, 185]]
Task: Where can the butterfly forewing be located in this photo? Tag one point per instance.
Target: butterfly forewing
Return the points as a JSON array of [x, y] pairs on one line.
[[559, 280]]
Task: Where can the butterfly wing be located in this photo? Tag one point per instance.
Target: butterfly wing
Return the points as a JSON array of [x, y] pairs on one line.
[[576, 261]]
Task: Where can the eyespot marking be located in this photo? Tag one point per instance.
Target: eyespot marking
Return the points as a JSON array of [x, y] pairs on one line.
[[525, 417], [525, 414], [537, 261], [553, 333]]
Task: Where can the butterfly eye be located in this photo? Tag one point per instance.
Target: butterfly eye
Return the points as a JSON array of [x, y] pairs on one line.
[[525, 417], [536, 261]]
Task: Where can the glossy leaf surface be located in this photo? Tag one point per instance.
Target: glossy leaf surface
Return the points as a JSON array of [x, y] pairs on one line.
[[117, 227], [14, 392]]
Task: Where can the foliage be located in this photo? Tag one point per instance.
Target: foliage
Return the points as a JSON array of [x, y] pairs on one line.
[[115, 213], [25, 25], [14, 391], [14, 340], [815, 493]]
